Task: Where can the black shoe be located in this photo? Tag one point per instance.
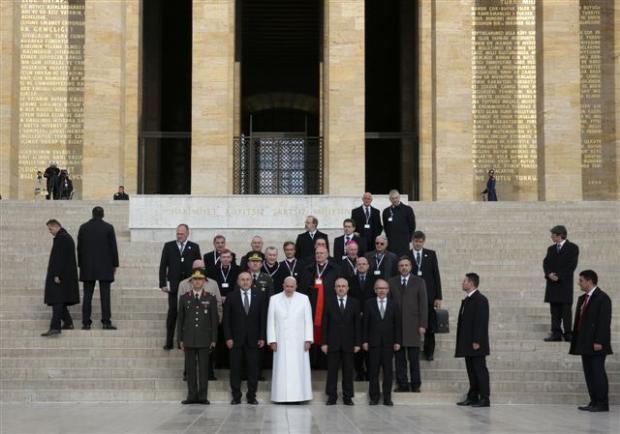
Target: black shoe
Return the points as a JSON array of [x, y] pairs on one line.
[[109, 327], [484, 402], [347, 401], [184, 377], [212, 377], [429, 357], [252, 401], [86, 327], [203, 402], [415, 389], [68, 327], [189, 401], [467, 401], [585, 407], [235, 401], [553, 338], [599, 408], [50, 333], [402, 389], [373, 402], [388, 403], [167, 347], [331, 401], [568, 337]]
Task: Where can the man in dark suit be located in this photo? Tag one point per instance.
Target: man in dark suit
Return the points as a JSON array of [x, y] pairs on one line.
[[472, 342], [304, 246], [98, 260], [175, 265], [197, 335], [212, 258], [256, 248], [382, 335], [290, 266], [348, 264], [120, 194], [559, 266], [245, 316], [384, 264], [61, 283], [426, 266], [342, 331], [349, 236], [225, 272], [399, 224], [271, 266], [592, 339], [368, 221], [409, 292]]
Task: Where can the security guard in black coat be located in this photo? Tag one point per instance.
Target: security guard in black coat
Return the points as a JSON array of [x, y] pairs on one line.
[[197, 334]]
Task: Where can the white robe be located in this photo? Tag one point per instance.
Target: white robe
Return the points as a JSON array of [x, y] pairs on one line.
[[289, 324]]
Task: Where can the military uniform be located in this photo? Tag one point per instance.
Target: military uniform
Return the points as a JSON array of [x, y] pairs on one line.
[[197, 331], [263, 283]]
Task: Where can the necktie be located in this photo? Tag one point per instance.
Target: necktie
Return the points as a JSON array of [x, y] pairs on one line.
[[347, 239], [196, 297], [342, 305], [362, 279], [584, 305], [558, 248], [367, 213], [404, 282], [382, 308], [181, 245], [417, 258], [246, 302], [311, 235]]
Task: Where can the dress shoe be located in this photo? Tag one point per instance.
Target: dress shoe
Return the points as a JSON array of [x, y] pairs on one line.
[[168, 347], [203, 402], [347, 401], [184, 377], [51, 332], [331, 401], [212, 378], [553, 338], [599, 408], [467, 401], [485, 402], [252, 401], [86, 327], [415, 389], [109, 327], [402, 389], [189, 401], [373, 402], [585, 407], [568, 337], [388, 403], [68, 327], [235, 401], [429, 357]]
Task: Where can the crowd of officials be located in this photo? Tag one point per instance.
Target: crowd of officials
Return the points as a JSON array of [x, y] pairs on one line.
[[374, 302]]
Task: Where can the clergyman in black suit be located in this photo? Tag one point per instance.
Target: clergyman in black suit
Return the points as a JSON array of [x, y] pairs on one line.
[[342, 338], [176, 265], [382, 335], [472, 342], [98, 260], [341, 242], [559, 265], [592, 339], [368, 221], [245, 316], [290, 266], [426, 266], [399, 224], [304, 245], [384, 264]]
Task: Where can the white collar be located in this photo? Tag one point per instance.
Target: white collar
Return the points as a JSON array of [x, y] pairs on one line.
[[472, 293], [379, 300], [561, 243], [592, 291], [344, 299]]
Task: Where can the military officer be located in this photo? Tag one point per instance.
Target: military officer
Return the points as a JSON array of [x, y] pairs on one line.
[[261, 281], [197, 334]]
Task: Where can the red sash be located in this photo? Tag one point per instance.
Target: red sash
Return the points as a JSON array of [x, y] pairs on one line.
[[318, 314]]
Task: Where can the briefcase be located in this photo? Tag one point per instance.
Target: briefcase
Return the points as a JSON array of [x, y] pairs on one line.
[[443, 321]]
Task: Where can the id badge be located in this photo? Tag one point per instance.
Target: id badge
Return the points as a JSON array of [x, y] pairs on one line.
[[420, 273], [182, 259], [377, 272], [389, 219], [224, 285], [366, 226], [318, 281]]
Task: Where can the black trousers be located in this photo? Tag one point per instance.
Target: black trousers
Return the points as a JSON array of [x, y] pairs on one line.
[[171, 318], [60, 312], [318, 360], [561, 315], [221, 351], [478, 374], [413, 354], [104, 293], [196, 365], [380, 358], [244, 360], [429, 336], [596, 379], [360, 360], [335, 359]]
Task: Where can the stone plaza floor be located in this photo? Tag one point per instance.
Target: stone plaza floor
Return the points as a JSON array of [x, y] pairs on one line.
[[173, 418]]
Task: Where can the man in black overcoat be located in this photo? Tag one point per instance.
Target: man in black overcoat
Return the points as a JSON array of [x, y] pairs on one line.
[[305, 243], [399, 224], [384, 264], [368, 221], [61, 283], [472, 342], [559, 265], [176, 264], [98, 260], [592, 339]]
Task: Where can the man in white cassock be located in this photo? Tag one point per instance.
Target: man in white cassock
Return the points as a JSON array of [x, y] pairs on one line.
[[290, 335]]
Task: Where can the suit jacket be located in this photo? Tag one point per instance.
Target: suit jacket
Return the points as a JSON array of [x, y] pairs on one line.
[[197, 320], [413, 306], [473, 326], [388, 267], [347, 267], [341, 331], [329, 276], [175, 267], [225, 281], [62, 264], [339, 250], [430, 273], [362, 293], [400, 229], [382, 332], [594, 327], [245, 329], [210, 259], [304, 245], [296, 270], [564, 265], [263, 283], [97, 252], [368, 234]]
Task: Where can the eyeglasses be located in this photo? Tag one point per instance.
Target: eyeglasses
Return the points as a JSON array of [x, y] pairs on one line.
[[379, 243]]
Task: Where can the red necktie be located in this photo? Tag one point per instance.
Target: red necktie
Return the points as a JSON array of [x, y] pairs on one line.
[[583, 309]]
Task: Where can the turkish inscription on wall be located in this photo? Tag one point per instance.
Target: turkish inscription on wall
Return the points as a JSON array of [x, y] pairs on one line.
[[51, 86], [597, 99], [504, 95]]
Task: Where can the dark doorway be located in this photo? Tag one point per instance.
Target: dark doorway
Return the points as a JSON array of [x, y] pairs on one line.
[[391, 96], [165, 124]]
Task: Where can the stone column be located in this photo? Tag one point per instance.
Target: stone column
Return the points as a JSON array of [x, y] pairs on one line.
[[617, 92], [9, 121], [213, 96], [343, 97], [131, 74], [560, 114]]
